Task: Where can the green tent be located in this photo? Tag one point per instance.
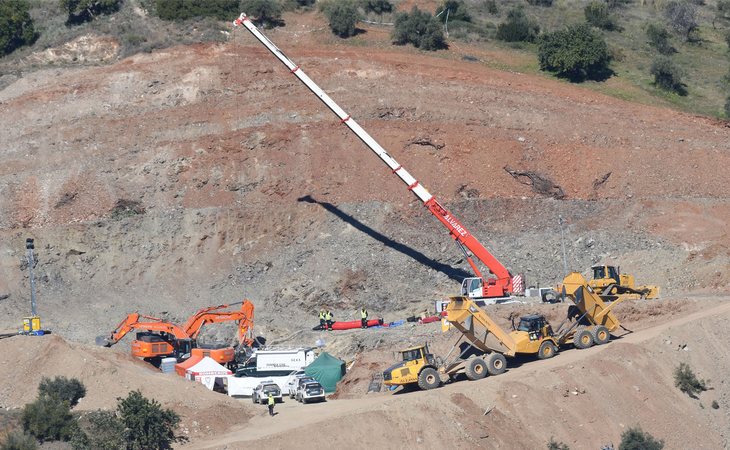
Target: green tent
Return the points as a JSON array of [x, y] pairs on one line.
[[328, 370]]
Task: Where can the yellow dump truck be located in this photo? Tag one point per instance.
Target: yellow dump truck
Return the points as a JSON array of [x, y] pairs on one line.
[[590, 321]]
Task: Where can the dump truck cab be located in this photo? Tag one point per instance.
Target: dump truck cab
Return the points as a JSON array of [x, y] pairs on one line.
[[530, 335], [417, 365]]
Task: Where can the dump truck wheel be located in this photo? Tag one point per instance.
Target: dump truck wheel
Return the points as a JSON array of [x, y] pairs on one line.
[[583, 338], [428, 379], [546, 350], [496, 364], [476, 368], [601, 335]]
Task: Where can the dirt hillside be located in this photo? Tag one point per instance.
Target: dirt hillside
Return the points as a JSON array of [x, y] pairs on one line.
[[203, 174]]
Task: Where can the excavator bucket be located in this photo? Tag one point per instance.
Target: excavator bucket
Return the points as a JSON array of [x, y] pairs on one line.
[[104, 341]]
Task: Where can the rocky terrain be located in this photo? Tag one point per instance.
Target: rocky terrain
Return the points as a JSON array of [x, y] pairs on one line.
[[204, 174]]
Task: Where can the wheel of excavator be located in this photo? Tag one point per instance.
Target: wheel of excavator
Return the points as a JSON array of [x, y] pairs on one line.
[[476, 368], [601, 335], [429, 379], [583, 338], [496, 364], [547, 350]]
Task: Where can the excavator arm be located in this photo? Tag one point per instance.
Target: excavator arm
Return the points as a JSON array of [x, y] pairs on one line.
[[466, 241], [213, 314], [132, 322]]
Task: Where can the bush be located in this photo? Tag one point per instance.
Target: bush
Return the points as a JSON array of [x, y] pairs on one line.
[[492, 7], [16, 26], [189, 9], [517, 27], [63, 389], [575, 52], [668, 77], [342, 16], [48, 419], [546, 3], [102, 431], [379, 6], [658, 37], [727, 107], [456, 11], [715, 405], [19, 441], [686, 380], [147, 424], [85, 10], [266, 13], [596, 13], [682, 16], [420, 29], [636, 439], [727, 39], [552, 445]]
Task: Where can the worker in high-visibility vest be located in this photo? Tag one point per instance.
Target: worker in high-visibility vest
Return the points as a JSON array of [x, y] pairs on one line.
[[322, 321], [272, 402], [363, 317], [328, 319]]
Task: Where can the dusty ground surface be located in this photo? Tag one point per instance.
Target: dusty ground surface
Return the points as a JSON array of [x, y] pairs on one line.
[[173, 180]]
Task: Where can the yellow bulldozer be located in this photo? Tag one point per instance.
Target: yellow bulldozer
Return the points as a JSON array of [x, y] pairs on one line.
[[589, 321], [610, 283]]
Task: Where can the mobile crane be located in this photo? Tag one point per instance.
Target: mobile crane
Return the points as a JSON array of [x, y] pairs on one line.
[[158, 339], [503, 283]]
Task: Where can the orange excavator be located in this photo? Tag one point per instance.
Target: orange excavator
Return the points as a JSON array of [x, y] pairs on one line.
[[159, 339]]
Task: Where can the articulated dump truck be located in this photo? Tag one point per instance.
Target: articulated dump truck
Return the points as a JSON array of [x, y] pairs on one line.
[[589, 321]]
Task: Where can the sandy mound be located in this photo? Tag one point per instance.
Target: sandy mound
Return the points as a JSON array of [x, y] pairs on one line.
[[108, 374]]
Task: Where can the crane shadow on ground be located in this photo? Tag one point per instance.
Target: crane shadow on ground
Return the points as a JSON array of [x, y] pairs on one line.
[[451, 272]]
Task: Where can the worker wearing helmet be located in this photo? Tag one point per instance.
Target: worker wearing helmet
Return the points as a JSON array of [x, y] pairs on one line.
[[322, 321], [328, 319], [363, 317], [271, 403]]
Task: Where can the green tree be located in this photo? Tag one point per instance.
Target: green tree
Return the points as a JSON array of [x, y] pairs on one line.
[[19, 441], [420, 29], [84, 10], [658, 37], [263, 12], [668, 76], [722, 12], [62, 388], [48, 419], [456, 11], [16, 26], [636, 439], [597, 14], [379, 7], [342, 16], [102, 430], [687, 382], [575, 52], [545, 3], [147, 425], [189, 9], [517, 27]]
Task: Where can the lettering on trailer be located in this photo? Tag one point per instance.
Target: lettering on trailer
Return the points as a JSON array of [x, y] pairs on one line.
[[457, 226]]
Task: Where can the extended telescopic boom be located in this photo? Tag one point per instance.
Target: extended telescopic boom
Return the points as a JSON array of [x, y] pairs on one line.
[[491, 288]]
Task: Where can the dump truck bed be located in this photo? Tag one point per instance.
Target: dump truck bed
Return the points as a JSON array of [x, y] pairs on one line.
[[478, 327]]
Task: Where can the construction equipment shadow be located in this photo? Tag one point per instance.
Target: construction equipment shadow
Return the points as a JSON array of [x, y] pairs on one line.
[[451, 272]]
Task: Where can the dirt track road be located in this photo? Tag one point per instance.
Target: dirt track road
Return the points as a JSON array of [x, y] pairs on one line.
[[292, 415]]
